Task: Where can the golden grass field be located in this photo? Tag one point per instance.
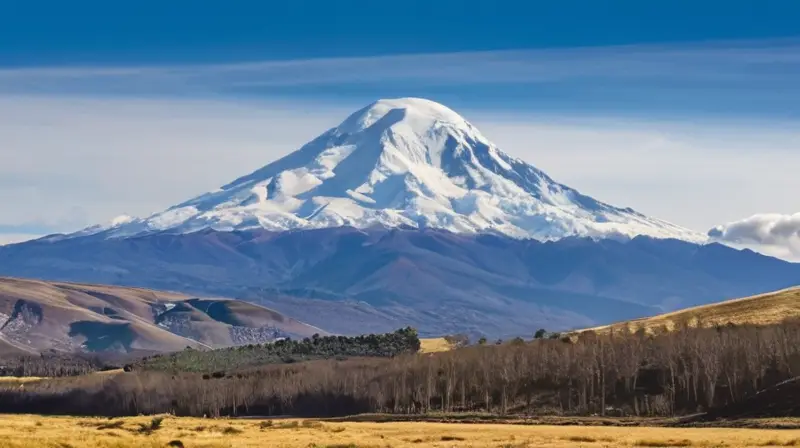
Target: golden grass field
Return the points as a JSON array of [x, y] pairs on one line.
[[21, 379], [31, 379], [434, 345], [763, 309], [30, 431]]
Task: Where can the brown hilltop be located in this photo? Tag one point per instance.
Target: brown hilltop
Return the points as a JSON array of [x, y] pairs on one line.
[[38, 315], [763, 309]]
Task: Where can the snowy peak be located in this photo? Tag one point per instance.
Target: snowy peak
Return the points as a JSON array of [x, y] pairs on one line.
[[418, 113], [394, 135], [409, 162]]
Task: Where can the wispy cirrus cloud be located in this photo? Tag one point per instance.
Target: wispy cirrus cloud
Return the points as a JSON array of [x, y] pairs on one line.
[[768, 59], [755, 75]]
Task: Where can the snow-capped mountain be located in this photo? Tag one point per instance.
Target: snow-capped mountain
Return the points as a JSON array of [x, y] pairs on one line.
[[401, 162]]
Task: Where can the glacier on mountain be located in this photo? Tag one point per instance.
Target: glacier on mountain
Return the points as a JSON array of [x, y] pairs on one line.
[[401, 162]]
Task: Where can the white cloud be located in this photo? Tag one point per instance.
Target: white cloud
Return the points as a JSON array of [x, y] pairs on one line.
[[761, 63], [67, 162], [772, 233]]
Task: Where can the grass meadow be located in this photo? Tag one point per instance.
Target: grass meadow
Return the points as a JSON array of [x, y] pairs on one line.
[[29, 431]]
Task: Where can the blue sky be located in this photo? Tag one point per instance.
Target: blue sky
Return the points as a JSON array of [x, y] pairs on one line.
[[606, 45], [674, 105], [101, 32]]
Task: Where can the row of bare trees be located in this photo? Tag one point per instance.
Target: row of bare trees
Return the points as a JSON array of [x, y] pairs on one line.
[[667, 374], [54, 365]]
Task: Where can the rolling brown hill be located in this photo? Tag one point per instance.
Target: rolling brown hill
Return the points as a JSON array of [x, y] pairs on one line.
[[762, 309], [36, 316]]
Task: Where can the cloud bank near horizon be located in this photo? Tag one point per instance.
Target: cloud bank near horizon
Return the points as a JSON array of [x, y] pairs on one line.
[[774, 233]]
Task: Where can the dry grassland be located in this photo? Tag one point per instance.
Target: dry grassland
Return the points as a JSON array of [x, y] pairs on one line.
[[20, 379], [764, 309], [30, 431], [434, 345], [31, 379]]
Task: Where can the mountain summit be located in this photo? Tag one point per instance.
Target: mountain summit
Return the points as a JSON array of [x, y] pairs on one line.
[[401, 162]]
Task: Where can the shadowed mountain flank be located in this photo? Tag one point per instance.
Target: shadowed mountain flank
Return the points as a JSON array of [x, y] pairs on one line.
[[349, 280]]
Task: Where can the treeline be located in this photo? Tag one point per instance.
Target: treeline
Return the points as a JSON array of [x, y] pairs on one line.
[[680, 372], [284, 351], [53, 365]]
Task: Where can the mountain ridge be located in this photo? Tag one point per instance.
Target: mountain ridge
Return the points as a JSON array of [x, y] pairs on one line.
[[438, 281]]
